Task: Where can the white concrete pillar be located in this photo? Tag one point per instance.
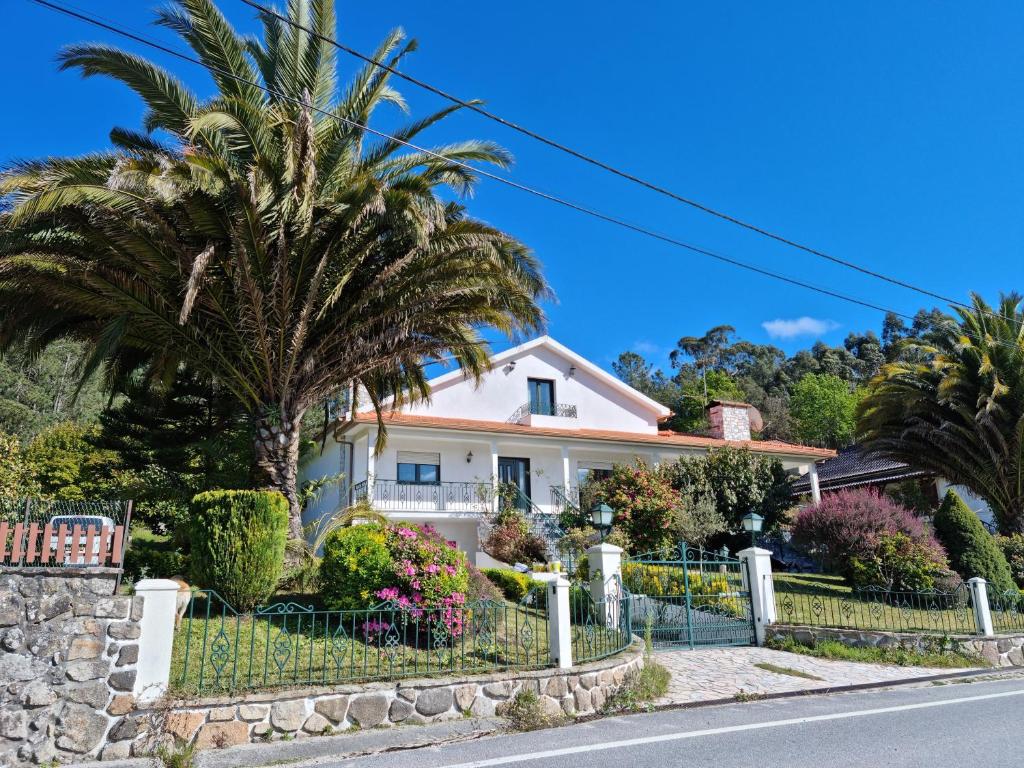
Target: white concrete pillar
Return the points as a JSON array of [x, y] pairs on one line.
[[496, 501], [566, 471], [982, 611], [815, 485], [159, 607], [757, 579], [604, 562], [559, 626], [371, 465]]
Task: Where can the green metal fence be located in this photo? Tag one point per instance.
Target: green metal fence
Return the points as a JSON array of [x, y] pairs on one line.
[[931, 611], [218, 649], [1007, 609], [600, 628]]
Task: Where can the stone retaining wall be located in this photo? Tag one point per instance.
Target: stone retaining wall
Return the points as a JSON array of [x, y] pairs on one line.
[[67, 667], [264, 716], [998, 651]]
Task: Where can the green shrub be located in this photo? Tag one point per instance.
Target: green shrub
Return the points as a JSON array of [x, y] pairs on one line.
[[356, 564], [972, 550], [900, 564], [238, 540], [513, 584], [1013, 550], [151, 558]]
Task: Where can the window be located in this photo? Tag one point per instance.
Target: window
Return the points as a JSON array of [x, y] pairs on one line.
[[419, 467], [594, 474], [542, 396]]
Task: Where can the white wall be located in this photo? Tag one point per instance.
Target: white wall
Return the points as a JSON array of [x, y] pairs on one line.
[[599, 405], [318, 465]]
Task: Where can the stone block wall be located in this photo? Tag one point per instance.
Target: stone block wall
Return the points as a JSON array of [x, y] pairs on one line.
[[997, 651], [267, 716], [67, 668]]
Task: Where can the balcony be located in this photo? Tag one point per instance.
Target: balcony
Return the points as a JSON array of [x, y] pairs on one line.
[[393, 496], [543, 414]]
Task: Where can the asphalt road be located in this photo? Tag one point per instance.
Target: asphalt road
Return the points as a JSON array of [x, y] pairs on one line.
[[957, 724]]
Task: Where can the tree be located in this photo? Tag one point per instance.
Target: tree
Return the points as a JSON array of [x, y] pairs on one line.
[[16, 481], [65, 464], [955, 406], [823, 408], [263, 237]]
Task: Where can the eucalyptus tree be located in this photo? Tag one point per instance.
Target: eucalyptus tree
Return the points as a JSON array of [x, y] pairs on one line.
[[262, 236], [953, 403]]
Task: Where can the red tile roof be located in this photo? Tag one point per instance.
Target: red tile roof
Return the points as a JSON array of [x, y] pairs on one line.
[[664, 437]]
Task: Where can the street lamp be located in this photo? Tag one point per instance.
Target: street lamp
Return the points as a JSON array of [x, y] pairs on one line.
[[601, 516], [752, 523]]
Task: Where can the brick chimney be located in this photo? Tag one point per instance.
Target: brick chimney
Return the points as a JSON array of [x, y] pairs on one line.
[[729, 420]]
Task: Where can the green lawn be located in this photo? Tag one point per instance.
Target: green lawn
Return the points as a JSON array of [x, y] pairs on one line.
[[827, 601], [903, 657]]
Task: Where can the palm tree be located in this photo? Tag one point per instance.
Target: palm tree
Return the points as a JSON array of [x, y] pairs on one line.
[[954, 404], [261, 236]]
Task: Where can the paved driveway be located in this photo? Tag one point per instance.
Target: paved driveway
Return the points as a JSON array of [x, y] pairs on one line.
[[719, 673]]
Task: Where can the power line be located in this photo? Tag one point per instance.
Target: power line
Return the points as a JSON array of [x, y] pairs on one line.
[[90, 19], [579, 155]]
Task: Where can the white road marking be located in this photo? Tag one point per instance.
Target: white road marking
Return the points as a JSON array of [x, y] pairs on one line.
[[550, 753]]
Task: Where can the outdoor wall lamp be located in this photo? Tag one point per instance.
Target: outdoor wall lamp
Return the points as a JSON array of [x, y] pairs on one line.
[[469, 457], [752, 523], [572, 371]]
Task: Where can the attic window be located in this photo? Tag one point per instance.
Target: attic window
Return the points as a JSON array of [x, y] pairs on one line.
[[542, 396]]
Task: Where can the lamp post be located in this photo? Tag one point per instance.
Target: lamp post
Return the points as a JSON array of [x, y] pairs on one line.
[[601, 517], [752, 523]]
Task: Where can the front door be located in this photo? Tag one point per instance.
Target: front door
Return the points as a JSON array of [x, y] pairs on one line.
[[516, 472]]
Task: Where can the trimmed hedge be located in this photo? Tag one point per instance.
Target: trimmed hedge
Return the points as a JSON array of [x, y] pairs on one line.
[[356, 564], [972, 550], [513, 584], [238, 540]]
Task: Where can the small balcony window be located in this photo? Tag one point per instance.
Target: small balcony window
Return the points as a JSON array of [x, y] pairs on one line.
[[419, 468]]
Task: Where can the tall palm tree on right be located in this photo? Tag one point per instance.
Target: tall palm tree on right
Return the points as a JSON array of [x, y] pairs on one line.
[[954, 404]]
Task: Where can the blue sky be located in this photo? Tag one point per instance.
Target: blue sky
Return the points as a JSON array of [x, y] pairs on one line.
[[886, 133]]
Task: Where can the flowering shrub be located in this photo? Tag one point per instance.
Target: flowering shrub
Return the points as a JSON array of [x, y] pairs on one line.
[[708, 590], [850, 523], [645, 505], [410, 566], [511, 540], [429, 577]]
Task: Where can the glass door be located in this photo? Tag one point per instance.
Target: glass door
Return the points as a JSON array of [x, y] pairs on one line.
[[516, 472]]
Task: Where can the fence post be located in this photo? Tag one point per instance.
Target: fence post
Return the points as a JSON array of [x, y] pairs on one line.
[[757, 578], [156, 639], [982, 611], [604, 561], [559, 627]]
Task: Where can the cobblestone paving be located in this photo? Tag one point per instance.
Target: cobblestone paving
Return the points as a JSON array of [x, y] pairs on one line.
[[719, 673]]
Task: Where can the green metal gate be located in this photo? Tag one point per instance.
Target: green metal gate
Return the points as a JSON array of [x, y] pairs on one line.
[[690, 597]]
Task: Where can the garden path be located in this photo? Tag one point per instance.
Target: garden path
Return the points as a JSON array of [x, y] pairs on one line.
[[719, 673]]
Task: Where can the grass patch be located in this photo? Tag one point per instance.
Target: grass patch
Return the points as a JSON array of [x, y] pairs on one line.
[[767, 667], [941, 658], [641, 689], [524, 712]]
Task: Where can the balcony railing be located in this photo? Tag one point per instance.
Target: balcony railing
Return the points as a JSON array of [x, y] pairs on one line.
[[395, 496], [563, 410]]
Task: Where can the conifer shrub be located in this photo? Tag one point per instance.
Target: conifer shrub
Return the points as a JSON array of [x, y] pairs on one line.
[[972, 550], [238, 540]]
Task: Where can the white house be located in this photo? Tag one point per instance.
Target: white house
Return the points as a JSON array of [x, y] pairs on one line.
[[541, 419]]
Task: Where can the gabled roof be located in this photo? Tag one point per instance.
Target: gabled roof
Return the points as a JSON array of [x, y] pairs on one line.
[[664, 438], [567, 354], [854, 466]]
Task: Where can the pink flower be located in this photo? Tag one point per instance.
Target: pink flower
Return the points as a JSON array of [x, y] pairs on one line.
[[433, 568]]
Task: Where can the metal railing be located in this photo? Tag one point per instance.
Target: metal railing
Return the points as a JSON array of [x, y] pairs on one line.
[[58, 533], [563, 410], [599, 628], [930, 611], [1007, 609], [546, 525], [396, 496], [219, 650]]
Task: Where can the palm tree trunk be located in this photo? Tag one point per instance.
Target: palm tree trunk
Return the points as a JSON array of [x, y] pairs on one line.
[[276, 463]]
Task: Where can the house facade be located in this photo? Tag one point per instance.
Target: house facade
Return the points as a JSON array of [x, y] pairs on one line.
[[540, 422]]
